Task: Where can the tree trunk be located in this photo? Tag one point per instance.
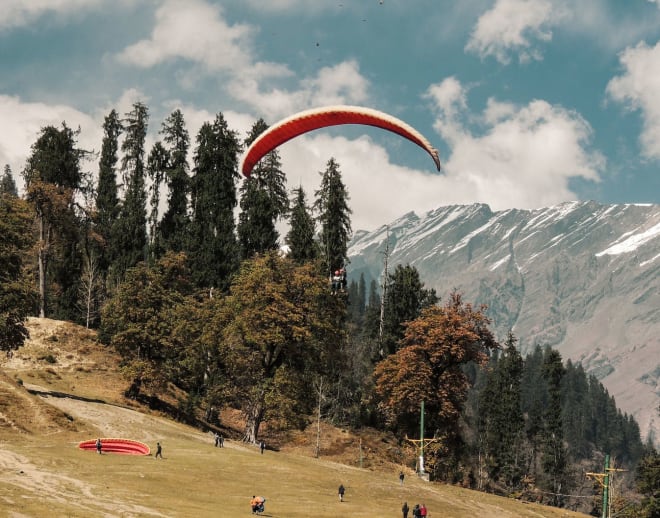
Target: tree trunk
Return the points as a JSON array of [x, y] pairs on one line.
[[253, 417], [43, 260], [319, 388]]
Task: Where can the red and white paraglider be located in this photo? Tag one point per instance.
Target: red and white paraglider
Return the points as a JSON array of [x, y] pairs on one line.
[[317, 118]]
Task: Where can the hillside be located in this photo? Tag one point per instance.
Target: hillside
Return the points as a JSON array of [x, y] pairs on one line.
[[71, 390], [581, 277]]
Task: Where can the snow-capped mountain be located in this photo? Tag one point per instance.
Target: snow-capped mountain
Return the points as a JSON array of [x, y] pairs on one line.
[[581, 277]]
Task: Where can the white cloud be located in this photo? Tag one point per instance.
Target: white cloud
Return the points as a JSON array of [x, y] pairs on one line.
[[26, 119], [339, 84], [638, 88], [379, 190], [16, 13], [524, 158], [195, 30], [288, 5], [514, 27]]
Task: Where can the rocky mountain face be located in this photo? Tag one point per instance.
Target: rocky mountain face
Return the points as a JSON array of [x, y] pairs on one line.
[[581, 277]]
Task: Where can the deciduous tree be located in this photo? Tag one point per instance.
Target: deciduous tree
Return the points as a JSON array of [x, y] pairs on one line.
[[139, 319], [428, 366], [283, 331], [18, 296]]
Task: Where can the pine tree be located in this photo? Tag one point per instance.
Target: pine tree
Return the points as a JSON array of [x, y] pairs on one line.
[[554, 458], [575, 411], [157, 166], [372, 314], [131, 230], [53, 178], [333, 211], [405, 299], [534, 400], [213, 249], [501, 416], [263, 201], [174, 226], [107, 199], [302, 245], [7, 184], [647, 479]]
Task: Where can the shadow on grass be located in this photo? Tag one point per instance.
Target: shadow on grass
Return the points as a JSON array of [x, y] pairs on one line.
[[55, 393]]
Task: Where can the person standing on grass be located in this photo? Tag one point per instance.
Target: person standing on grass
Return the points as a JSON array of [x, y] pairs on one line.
[[159, 451], [262, 446], [401, 477], [341, 492], [405, 509], [99, 446]]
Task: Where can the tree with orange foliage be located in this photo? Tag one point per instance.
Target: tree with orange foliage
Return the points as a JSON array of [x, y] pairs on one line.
[[428, 367]]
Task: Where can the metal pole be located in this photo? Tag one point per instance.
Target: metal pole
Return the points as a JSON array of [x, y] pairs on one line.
[[606, 485], [421, 441]]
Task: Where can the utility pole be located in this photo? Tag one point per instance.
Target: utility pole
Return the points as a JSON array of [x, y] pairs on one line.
[[605, 480], [421, 442]]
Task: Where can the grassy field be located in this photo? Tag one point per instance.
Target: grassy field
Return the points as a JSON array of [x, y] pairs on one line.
[[78, 397]]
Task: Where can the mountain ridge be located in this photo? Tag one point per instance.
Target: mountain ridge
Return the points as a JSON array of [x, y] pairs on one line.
[[581, 277]]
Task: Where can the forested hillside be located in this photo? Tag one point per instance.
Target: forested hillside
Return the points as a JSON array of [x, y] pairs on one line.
[[148, 251]]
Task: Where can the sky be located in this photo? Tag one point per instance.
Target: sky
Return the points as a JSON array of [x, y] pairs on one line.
[[530, 103]]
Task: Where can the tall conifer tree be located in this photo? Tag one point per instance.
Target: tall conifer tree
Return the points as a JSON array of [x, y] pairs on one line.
[[501, 417], [53, 178], [405, 299], [263, 201], [213, 249], [132, 223], [7, 184], [302, 245], [157, 166], [334, 216], [107, 199], [554, 458], [174, 226]]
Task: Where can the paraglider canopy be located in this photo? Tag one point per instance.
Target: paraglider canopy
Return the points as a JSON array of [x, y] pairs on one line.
[[317, 118]]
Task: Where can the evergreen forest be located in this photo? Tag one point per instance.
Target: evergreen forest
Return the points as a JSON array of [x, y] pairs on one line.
[[179, 265]]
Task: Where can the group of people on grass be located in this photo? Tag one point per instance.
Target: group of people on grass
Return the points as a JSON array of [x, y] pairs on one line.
[[419, 511]]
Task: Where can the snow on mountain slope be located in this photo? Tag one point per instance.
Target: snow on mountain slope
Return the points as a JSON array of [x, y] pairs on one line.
[[581, 277]]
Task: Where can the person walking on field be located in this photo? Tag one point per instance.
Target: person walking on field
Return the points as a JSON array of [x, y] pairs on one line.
[[341, 492], [422, 511], [159, 451], [405, 509], [262, 446], [99, 446], [401, 477]]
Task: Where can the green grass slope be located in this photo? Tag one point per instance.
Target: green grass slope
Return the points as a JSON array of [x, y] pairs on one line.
[[78, 397]]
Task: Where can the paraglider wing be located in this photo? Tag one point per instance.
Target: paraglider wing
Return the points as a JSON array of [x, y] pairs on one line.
[[317, 118]]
